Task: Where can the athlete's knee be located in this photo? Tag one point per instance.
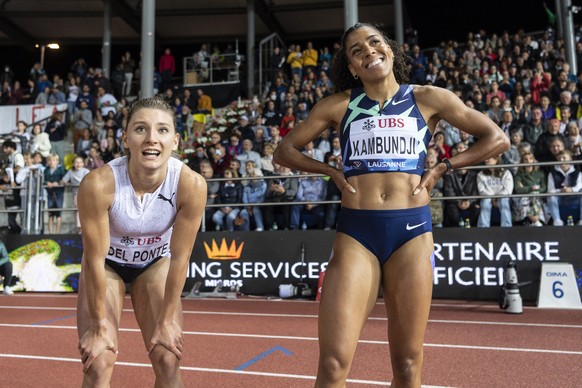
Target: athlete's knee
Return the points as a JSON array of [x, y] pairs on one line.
[[104, 361], [333, 368], [407, 369], [101, 368], [165, 362]]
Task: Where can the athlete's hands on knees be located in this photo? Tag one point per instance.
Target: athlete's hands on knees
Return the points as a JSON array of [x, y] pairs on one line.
[[97, 339], [170, 336]]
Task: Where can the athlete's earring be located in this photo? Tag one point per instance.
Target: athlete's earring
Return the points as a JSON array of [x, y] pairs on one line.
[[355, 76]]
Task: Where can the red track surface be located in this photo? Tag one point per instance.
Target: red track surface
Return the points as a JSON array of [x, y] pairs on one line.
[[268, 343]]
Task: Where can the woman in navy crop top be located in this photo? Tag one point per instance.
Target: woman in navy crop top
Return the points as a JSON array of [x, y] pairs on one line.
[[384, 236]]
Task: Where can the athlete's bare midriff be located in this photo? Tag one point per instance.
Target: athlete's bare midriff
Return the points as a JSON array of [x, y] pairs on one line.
[[384, 191]]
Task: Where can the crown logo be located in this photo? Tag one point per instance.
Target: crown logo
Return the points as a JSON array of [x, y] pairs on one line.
[[224, 252]]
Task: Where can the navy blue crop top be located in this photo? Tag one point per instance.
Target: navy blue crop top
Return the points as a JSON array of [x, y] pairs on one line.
[[391, 139]]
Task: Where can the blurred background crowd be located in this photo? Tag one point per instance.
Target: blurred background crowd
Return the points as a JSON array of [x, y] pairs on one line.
[[521, 81]]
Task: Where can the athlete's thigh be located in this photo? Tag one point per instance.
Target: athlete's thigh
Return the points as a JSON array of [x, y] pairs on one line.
[[147, 296], [407, 289], [350, 290], [114, 297]]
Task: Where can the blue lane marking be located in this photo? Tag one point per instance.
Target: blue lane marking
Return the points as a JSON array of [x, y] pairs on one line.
[[263, 355], [54, 320]]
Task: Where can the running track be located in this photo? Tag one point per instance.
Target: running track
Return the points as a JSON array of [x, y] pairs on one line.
[[251, 342]]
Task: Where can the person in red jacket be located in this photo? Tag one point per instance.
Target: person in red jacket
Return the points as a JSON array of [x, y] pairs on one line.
[[167, 68]]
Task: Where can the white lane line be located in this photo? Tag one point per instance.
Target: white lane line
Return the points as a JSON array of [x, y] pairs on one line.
[[553, 325], [38, 308], [251, 298], [314, 316], [270, 300], [205, 370], [572, 352], [297, 338]]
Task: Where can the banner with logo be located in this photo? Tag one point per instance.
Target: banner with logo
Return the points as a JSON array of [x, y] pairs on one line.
[[469, 262], [10, 115], [257, 263]]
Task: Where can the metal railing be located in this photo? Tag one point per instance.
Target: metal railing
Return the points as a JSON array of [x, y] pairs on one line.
[[266, 48], [223, 68], [33, 208]]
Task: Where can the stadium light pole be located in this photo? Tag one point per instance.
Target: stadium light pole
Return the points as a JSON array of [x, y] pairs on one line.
[[569, 34], [148, 29], [52, 46], [350, 13]]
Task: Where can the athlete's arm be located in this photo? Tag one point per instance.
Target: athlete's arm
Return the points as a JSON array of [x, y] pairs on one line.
[[441, 104], [325, 114], [94, 199], [191, 201]]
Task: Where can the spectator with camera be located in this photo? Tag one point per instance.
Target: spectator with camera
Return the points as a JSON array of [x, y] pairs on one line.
[[281, 188]]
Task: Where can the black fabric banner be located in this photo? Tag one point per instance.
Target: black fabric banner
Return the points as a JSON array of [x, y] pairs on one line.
[[469, 262]]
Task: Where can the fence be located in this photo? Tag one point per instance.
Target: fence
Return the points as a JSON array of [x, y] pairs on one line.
[[34, 212], [223, 68]]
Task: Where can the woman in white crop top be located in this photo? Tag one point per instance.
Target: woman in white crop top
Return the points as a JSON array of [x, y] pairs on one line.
[[119, 199], [384, 235]]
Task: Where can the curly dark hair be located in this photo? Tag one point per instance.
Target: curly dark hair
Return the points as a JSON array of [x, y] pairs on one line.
[[341, 76]]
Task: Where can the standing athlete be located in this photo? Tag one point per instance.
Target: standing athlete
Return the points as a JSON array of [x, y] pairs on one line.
[[384, 233]]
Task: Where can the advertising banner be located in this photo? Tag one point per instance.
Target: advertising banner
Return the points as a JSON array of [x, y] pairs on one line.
[[469, 262], [257, 263], [10, 115]]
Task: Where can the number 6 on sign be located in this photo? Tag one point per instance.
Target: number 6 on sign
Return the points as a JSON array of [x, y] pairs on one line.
[[558, 292], [558, 288]]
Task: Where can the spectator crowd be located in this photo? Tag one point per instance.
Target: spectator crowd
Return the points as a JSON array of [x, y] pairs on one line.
[[521, 81]]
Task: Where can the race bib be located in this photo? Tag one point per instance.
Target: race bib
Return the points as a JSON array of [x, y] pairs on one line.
[[384, 137]]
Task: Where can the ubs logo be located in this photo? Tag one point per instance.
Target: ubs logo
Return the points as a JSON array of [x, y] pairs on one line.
[[127, 241], [368, 125]]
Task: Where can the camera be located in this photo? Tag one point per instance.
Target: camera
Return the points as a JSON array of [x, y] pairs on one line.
[[289, 290]]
